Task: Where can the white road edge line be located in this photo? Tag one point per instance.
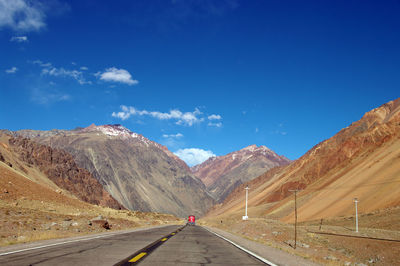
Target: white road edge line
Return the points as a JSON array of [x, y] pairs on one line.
[[66, 242], [55, 244], [242, 248]]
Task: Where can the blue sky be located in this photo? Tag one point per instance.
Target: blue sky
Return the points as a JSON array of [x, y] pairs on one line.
[[207, 76]]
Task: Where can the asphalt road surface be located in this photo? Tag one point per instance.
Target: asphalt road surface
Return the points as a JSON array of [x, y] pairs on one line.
[[191, 246], [196, 246]]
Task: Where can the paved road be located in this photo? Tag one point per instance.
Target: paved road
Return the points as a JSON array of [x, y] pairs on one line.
[[196, 246], [96, 252], [191, 246]]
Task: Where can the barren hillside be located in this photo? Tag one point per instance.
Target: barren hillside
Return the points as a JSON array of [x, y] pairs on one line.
[[55, 168], [362, 160]]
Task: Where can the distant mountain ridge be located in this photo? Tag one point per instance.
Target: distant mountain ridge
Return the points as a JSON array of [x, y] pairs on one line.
[[139, 173], [222, 174]]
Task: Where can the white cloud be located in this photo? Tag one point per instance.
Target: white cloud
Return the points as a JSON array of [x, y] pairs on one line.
[[117, 75], [19, 39], [219, 124], [41, 63], [187, 118], [177, 135], [214, 117], [121, 115], [49, 70], [84, 68], [61, 72], [11, 70], [194, 156], [22, 15]]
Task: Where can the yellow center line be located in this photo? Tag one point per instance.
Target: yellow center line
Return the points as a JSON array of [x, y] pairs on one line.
[[138, 257], [164, 239], [173, 234]]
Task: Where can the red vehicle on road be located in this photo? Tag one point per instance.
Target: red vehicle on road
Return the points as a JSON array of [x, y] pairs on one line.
[[191, 220]]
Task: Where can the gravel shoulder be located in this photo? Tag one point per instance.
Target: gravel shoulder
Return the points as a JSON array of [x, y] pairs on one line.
[[274, 255]]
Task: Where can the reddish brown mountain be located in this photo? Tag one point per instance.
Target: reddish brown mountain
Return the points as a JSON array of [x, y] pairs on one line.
[[222, 174], [362, 160], [60, 167], [139, 173]]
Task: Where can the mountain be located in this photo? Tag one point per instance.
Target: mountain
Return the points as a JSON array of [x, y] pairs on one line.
[[139, 173], [224, 173], [43, 195], [54, 168], [361, 161]]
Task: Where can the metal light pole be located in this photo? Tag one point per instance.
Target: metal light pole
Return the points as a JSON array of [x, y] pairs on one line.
[[245, 217], [355, 202]]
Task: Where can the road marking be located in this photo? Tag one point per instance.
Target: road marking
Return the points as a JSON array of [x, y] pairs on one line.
[[138, 257], [76, 240], [242, 248], [61, 243]]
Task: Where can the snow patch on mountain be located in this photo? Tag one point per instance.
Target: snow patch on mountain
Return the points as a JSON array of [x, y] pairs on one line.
[[119, 131]]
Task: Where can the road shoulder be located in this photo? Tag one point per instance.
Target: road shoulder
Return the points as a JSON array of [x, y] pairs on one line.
[[274, 255]]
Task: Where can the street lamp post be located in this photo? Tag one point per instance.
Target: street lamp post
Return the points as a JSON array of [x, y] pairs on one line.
[[355, 202], [245, 217]]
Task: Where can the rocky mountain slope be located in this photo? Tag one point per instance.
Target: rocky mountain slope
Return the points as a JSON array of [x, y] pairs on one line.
[[33, 208], [224, 173], [138, 173], [362, 160], [55, 168]]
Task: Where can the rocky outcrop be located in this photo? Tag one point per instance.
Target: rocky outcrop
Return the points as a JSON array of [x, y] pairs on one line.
[[222, 174], [60, 167], [100, 222]]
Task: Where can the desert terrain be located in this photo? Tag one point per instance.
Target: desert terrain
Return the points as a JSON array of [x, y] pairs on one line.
[[331, 241], [30, 211], [40, 199], [361, 162]]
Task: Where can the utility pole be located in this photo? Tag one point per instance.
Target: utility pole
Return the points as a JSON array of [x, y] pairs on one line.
[[245, 217], [295, 215], [355, 202]]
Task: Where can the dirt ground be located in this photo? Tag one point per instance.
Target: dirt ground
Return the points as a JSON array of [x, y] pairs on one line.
[[327, 249], [30, 211], [22, 224]]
